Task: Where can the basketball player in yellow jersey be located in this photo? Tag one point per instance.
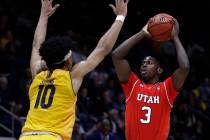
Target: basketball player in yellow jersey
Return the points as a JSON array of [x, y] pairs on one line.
[[53, 90]]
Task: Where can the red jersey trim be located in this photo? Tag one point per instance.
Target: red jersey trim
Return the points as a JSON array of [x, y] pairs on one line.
[[167, 96], [131, 91]]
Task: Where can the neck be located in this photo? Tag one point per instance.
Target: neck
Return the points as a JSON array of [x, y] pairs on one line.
[[152, 81], [49, 73], [66, 67]]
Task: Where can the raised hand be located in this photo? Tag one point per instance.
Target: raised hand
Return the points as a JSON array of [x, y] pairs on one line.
[[47, 8], [146, 32], [120, 7]]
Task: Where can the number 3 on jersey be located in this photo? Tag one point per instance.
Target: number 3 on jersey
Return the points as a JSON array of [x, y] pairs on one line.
[[147, 115], [42, 94]]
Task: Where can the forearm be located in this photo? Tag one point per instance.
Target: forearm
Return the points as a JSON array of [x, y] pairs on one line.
[[40, 32], [109, 38], [182, 57], [121, 51]]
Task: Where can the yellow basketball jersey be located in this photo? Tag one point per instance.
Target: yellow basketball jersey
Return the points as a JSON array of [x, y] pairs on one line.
[[52, 104]]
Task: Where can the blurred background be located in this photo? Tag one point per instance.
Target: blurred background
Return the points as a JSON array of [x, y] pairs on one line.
[[100, 106]]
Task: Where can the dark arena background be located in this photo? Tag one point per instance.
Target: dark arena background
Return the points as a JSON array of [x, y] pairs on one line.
[[85, 21]]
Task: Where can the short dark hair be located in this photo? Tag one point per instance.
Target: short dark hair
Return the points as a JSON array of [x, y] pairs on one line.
[[157, 60], [53, 50]]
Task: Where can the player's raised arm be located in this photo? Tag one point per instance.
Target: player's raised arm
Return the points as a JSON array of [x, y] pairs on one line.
[[118, 55], [36, 64], [106, 42], [181, 73]]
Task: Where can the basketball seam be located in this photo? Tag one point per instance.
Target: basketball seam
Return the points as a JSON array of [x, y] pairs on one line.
[[159, 24]]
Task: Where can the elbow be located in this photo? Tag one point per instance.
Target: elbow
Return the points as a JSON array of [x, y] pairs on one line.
[[107, 48], [108, 45], [186, 68], [104, 50]]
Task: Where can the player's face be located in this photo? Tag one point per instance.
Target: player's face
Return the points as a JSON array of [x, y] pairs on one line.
[[149, 68]]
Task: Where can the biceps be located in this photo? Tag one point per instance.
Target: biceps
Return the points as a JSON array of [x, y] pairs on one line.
[[35, 61], [35, 67], [179, 77], [122, 69]]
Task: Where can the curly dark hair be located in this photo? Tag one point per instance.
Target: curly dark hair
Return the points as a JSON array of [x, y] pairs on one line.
[[53, 50]]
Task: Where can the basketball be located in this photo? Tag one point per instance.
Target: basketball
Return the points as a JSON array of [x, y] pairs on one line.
[[160, 27]]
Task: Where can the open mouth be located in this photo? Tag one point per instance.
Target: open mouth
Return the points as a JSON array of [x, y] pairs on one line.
[[143, 72]]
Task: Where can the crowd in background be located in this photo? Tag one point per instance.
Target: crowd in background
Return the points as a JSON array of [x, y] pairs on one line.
[[101, 102]]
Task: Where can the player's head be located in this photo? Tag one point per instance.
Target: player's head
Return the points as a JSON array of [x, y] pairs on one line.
[[150, 69], [56, 52]]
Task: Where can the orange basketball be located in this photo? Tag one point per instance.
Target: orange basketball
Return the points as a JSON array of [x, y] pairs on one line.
[[160, 27]]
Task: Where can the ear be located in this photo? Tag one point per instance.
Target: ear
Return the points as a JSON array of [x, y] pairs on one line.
[[68, 64], [160, 70]]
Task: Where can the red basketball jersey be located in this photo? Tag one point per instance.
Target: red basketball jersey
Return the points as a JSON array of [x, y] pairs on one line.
[[148, 108]]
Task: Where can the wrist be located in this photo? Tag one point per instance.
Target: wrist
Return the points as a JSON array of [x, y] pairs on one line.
[[45, 16], [175, 38], [120, 18], [143, 34]]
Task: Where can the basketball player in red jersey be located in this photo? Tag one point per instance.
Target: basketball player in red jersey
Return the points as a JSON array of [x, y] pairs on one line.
[[148, 101]]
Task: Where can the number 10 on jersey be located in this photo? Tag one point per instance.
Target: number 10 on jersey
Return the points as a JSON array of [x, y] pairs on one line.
[[42, 95]]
